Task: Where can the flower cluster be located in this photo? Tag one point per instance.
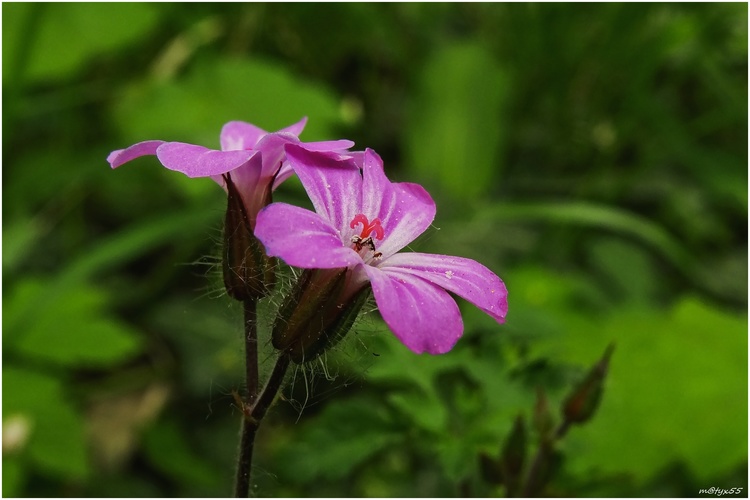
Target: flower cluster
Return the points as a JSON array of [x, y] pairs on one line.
[[350, 245]]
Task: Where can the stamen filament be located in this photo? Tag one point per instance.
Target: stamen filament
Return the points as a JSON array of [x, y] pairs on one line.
[[368, 227]]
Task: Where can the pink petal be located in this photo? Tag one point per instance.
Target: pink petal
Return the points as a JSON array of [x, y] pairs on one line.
[[238, 135], [302, 238], [340, 145], [333, 185], [272, 149], [117, 158], [283, 174], [197, 161], [424, 317], [405, 210], [358, 157], [464, 277], [297, 128]]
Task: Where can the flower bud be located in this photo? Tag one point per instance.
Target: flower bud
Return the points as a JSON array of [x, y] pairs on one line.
[[248, 272], [318, 312], [581, 404], [514, 456]]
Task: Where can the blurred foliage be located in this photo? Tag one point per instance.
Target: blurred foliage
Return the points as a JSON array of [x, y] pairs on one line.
[[595, 158]]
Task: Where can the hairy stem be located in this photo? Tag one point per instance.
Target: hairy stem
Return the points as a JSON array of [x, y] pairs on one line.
[[253, 413], [271, 389], [251, 349], [245, 460], [247, 440]]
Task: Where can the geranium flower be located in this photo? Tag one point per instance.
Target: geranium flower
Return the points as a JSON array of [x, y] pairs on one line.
[[254, 175], [361, 221]]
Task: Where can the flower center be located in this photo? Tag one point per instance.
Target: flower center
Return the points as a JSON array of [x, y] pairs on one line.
[[364, 239]]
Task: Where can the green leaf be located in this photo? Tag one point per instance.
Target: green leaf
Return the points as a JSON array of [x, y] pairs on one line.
[[424, 409], [126, 244], [463, 402], [416, 395], [627, 269], [208, 340], [544, 303], [13, 477], [72, 330], [216, 91], [52, 51], [456, 130], [168, 449], [19, 237], [57, 443], [342, 437], [394, 357]]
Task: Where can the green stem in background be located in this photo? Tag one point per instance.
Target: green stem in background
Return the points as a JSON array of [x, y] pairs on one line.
[[19, 62], [610, 218], [540, 467], [601, 216]]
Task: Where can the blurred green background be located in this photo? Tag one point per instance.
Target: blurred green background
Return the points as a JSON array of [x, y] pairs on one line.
[[594, 156]]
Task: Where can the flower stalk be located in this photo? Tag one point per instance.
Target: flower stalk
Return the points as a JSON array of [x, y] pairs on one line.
[[253, 416], [247, 439]]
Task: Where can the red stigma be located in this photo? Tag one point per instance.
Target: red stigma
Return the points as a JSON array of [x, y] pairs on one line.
[[368, 227]]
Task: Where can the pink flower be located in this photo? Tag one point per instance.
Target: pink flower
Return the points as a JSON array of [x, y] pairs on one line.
[[361, 221], [254, 175]]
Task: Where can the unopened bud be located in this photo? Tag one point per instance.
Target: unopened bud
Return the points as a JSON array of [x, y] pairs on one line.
[[248, 272], [317, 313], [338, 321], [581, 404], [514, 456]]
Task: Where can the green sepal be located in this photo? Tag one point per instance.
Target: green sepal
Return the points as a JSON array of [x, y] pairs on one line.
[[248, 271], [513, 456], [339, 320], [315, 315], [303, 309]]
